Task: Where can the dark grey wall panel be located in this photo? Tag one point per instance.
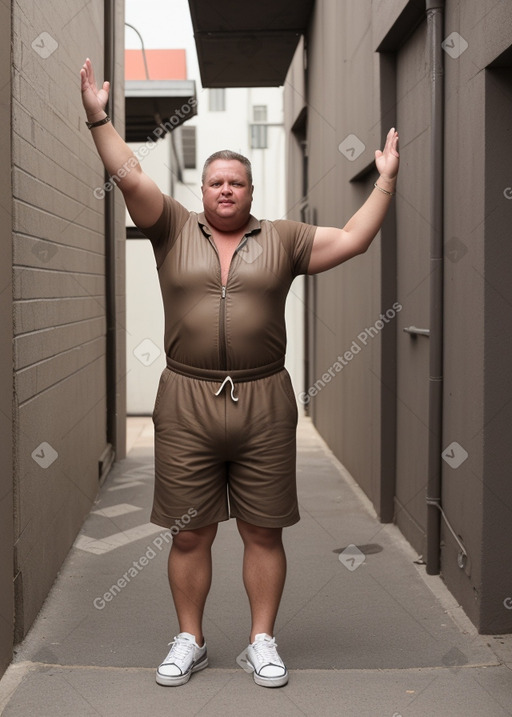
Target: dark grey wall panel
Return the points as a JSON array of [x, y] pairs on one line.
[[341, 103], [346, 92]]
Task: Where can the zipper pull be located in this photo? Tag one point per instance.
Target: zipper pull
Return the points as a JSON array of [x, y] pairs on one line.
[[223, 292]]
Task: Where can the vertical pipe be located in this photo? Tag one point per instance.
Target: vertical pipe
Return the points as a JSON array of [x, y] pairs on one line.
[[435, 21], [110, 239], [307, 279]]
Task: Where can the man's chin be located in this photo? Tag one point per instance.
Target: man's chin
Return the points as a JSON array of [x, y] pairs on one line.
[[226, 212], [227, 218]]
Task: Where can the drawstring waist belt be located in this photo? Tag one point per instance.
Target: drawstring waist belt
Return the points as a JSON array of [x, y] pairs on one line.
[[229, 376], [237, 375]]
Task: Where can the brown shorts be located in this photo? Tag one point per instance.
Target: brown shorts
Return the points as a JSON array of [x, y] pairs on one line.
[[217, 458]]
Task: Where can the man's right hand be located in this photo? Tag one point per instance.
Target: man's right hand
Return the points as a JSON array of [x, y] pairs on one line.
[[94, 100]]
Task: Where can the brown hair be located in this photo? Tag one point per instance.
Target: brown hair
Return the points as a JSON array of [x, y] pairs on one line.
[[229, 155]]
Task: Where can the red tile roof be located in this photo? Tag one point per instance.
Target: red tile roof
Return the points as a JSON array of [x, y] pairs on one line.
[[162, 65]]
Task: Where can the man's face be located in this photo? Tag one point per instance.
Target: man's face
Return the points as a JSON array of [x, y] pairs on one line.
[[227, 195]]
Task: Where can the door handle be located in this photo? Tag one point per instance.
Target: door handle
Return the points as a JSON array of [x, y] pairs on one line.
[[414, 331]]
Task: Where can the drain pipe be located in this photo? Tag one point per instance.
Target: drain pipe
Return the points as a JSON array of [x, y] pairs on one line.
[[435, 24], [110, 247]]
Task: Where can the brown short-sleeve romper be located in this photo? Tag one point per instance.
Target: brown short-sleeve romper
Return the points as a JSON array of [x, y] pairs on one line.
[[225, 413]]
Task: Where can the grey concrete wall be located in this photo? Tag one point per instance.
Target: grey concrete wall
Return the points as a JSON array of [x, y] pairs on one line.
[[6, 443], [477, 495], [367, 69], [59, 290], [295, 111], [496, 584], [341, 103]]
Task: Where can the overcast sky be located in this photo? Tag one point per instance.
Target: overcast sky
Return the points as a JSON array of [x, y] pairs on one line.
[[164, 25]]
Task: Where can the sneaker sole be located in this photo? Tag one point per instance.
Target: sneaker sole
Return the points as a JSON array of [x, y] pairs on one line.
[[270, 681], [168, 681]]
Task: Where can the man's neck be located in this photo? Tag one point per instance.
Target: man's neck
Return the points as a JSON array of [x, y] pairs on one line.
[[226, 228]]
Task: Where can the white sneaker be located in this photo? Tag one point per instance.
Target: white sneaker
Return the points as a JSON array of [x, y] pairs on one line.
[[262, 658], [184, 658]]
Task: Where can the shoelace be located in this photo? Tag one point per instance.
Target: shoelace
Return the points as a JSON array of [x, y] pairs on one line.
[[266, 651], [179, 649]]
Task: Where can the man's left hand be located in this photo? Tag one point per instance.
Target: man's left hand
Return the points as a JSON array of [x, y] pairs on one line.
[[388, 160]]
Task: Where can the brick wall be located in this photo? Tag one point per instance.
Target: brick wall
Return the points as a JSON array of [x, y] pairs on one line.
[[59, 290]]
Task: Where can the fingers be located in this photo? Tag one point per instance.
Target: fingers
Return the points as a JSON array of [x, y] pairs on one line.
[[84, 72], [88, 70], [390, 146], [392, 142]]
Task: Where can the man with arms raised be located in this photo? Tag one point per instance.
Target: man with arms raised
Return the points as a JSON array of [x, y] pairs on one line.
[[225, 413]]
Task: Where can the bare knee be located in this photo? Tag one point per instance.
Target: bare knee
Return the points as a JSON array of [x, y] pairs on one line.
[[188, 541], [255, 535]]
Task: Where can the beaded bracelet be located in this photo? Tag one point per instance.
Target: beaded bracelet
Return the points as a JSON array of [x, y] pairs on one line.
[[384, 191]]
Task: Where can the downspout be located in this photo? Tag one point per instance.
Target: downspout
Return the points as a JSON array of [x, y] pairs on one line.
[[435, 24], [110, 242]]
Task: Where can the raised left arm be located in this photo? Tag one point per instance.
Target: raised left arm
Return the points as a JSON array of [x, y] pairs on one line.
[[332, 246]]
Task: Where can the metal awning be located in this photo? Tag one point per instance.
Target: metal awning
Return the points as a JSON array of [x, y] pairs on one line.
[[149, 103], [247, 44]]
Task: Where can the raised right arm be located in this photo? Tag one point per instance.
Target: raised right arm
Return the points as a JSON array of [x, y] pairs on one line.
[[143, 198]]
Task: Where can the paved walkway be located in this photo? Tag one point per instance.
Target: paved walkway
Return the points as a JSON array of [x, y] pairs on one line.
[[365, 636]]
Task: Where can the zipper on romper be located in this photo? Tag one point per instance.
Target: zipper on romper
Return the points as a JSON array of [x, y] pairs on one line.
[[222, 329], [222, 307]]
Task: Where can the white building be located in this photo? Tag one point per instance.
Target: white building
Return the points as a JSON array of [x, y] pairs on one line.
[[248, 121]]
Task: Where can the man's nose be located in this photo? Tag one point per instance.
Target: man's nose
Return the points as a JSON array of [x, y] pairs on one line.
[[226, 188]]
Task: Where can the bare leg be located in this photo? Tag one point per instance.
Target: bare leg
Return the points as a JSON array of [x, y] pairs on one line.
[[190, 576], [264, 574]]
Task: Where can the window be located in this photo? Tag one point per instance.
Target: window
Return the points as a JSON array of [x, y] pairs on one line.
[[217, 99], [259, 113], [259, 128], [259, 136], [189, 146]]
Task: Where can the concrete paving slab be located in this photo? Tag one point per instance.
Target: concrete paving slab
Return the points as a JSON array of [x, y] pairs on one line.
[[367, 634], [47, 691]]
